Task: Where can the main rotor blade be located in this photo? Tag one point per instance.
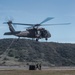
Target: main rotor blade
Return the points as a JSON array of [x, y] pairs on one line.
[[4, 22], [22, 24], [47, 19], [19, 24], [55, 24]]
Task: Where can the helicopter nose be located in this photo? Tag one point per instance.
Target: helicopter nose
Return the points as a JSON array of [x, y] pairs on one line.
[[49, 35]]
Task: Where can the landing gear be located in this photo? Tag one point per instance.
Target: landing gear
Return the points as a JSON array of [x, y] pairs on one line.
[[46, 39], [18, 39], [37, 39]]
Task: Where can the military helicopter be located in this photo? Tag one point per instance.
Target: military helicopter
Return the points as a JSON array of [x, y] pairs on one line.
[[34, 31]]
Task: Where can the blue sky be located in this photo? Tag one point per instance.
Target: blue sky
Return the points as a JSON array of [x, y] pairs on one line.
[[34, 11]]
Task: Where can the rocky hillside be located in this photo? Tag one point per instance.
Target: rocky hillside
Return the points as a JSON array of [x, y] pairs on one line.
[[48, 53]]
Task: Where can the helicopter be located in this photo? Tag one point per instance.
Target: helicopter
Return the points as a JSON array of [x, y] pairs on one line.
[[33, 31]]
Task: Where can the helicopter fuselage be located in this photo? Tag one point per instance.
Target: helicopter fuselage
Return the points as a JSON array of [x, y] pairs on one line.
[[33, 33]]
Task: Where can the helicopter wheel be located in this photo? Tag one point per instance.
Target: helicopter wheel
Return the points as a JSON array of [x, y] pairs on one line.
[[18, 38], [46, 39], [37, 39]]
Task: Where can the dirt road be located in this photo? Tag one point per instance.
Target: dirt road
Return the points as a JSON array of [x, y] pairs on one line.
[[43, 68]]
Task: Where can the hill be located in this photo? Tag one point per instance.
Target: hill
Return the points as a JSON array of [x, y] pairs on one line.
[[48, 53]]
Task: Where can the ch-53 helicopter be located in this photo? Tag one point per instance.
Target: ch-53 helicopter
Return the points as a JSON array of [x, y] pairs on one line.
[[34, 31]]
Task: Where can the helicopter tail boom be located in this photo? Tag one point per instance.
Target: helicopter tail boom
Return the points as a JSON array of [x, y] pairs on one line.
[[11, 33], [12, 30]]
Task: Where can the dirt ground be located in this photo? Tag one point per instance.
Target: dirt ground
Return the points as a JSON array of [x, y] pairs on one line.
[[43, 68], [24, 70]]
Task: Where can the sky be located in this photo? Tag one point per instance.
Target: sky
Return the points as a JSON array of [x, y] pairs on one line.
[[35, 11]]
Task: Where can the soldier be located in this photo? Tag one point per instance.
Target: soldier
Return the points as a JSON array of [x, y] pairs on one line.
[[39, 66], [36, 66]]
